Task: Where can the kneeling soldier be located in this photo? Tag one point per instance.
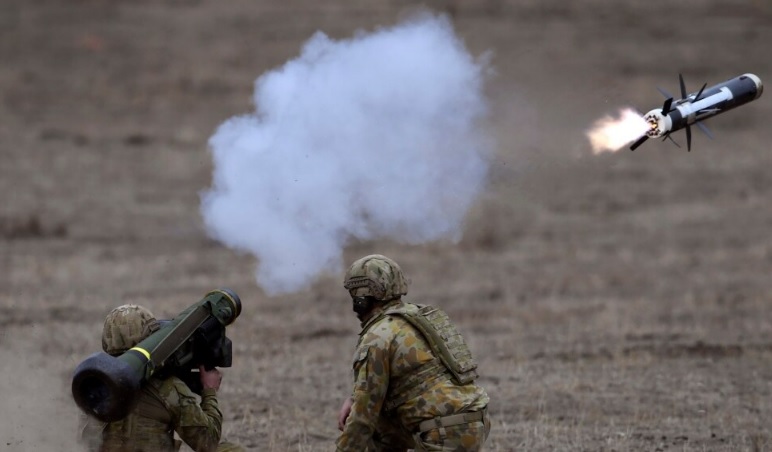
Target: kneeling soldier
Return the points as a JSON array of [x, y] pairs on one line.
[[413, 373]]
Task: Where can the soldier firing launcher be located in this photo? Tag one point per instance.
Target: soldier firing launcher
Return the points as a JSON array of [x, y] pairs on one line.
[[106, 386]]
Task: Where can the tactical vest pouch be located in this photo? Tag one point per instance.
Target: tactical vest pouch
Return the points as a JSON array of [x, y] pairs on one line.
[[443, 338], [413, 385]]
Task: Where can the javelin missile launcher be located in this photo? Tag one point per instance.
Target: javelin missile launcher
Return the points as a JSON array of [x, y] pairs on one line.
[[106, 387]]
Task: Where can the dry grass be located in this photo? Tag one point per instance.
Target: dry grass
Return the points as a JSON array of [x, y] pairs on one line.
[[614, 303]]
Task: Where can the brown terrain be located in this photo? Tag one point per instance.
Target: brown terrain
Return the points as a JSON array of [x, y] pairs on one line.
[[614, 302]]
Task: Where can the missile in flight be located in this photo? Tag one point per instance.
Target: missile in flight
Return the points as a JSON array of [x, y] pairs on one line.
[[693, 108]]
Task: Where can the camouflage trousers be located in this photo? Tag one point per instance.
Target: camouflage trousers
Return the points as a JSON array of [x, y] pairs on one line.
[[468, 437], [229, 447], [222, 447]]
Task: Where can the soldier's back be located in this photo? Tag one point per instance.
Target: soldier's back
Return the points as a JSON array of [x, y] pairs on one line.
[[148, 427]]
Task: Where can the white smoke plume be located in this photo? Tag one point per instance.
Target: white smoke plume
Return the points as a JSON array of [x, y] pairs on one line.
[[377, 136]]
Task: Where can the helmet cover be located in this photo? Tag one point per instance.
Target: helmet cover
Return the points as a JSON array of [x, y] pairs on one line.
[[126, 326], [376, 276]]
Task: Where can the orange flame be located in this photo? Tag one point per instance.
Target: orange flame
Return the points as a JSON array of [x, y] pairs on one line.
[[610, 135]]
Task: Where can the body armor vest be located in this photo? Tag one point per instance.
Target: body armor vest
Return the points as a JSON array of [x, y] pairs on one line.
[[443, 338]]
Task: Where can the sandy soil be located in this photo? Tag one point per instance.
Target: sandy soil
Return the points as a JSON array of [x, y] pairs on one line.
[[617, 302]]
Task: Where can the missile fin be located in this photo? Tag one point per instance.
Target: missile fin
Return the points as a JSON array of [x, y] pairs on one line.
[[697, 97], [683, 86], [671, 139], [639, 142], [705, 129], [666, 106], [688, 139]]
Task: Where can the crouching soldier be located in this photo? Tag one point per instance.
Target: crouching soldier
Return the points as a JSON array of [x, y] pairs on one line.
[[413, 372]]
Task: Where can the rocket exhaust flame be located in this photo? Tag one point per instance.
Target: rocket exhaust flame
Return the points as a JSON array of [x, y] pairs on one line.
[[610, 134]]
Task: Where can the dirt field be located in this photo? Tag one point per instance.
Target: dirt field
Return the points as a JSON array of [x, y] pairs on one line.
[[614, 302]]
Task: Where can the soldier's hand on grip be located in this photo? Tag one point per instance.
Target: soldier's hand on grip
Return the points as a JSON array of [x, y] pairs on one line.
[[210, 379]]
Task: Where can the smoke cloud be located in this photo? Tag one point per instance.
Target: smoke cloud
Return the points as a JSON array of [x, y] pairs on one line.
[[377, 136]]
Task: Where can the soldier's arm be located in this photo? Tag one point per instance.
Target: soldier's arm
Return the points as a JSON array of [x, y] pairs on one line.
[[371, 381], [198, 424]]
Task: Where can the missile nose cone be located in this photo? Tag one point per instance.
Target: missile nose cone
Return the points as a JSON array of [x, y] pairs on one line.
[[757, 81]]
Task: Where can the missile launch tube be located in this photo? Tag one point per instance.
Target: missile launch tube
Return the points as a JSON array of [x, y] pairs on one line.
[[106, 387], [222, 304]]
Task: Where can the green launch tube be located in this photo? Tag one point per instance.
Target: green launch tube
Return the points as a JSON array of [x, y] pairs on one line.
[[106, 387]]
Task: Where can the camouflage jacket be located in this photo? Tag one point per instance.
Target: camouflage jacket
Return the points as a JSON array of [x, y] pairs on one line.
[[165, 406], [390, 350]]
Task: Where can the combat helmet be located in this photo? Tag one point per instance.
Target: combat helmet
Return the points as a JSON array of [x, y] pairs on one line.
[[376, 276], [126, 326]]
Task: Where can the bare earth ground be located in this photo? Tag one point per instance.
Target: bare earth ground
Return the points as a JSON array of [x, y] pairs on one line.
[[618, 302]]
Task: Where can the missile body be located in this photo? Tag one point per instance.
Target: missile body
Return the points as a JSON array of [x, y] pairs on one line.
[[708, 102]]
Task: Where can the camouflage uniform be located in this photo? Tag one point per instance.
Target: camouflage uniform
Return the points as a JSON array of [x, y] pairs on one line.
[[165, 404], [403, 394]]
